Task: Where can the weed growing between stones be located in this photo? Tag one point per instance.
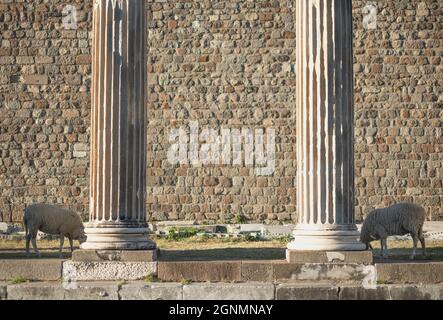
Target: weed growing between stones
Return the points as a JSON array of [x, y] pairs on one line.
[[185, 282], [19, 280], [152, 278]]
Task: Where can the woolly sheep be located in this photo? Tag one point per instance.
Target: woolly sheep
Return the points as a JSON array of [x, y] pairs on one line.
[[54, 221], [399, 219]]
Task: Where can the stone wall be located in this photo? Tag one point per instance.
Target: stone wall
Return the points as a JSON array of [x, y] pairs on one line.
[[225, 64]]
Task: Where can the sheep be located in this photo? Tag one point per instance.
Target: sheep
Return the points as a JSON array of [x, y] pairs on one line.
[[54, 221], [399, 219]]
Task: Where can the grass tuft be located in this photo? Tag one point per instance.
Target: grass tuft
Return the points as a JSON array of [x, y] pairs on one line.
[[185, 282], [152, 278], [177, 234], [19, 280]]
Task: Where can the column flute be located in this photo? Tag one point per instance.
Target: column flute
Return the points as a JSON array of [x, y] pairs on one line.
[[117, 219], [325, 128]]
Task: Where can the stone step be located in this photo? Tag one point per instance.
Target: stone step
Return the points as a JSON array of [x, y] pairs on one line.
[[262, 271], [410, 272], [31, 269], [214, 291], [224, 271]]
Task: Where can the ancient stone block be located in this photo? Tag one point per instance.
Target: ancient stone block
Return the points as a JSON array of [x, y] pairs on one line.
[[306, 292], [361, 293], [360, 257], [114, 255], [358, 273], [36, 291], [33, 79], [260, 271], [32, 269], [106, 271], [416, 292], [3, 291], [154, 291], [218, 271], [430, 272], [240, 291]]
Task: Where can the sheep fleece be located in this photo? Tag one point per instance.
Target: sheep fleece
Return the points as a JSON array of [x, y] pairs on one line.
[[52, 220], [398, 219]]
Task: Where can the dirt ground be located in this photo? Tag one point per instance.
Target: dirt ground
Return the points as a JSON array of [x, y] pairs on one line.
[[196, 248]]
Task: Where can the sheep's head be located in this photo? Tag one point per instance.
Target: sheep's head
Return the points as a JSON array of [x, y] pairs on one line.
[[366, 237], [80, 235]]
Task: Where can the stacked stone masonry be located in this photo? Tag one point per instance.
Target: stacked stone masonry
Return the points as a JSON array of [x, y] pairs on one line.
[[223, 63], [208, 291]]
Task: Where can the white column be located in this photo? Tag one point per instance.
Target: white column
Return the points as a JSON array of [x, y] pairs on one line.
[[325, 128], [118, 132]]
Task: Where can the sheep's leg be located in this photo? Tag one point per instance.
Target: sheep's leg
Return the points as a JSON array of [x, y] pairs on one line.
[[423, 246], [382, 234], [34, 243], [62, 241], [384, 247], [414, 241], [422, 242], [71, 243], [28, 241], [381, 248]]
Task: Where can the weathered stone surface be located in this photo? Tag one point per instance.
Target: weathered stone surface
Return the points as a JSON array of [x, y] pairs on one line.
[[414, 292], [34, 79], [107, 271], [360, 293], [306, 292], [31, 269], [262, 271], [221, 291], [315, 272], [63, 291], [240, 291], [91, 291], [431, 272], [270, 231], [3, 291], [36, 291], [118, 255], [154, 291], [200, 271], [360, 257], [3, 227]]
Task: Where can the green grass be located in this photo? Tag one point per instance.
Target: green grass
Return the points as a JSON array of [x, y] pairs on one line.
[[185, 282], [152, 278], [216, 248], [176, 234], [18, 280]]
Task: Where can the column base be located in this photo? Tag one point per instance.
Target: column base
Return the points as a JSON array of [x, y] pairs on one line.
[[115, 255], [117, 238], [326, 240]]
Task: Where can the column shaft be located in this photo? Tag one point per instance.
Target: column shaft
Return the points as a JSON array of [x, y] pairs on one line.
[[325, 127], [118, 131]]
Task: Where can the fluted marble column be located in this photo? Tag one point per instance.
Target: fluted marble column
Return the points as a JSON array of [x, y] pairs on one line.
[[118, 131], [325, 128]]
